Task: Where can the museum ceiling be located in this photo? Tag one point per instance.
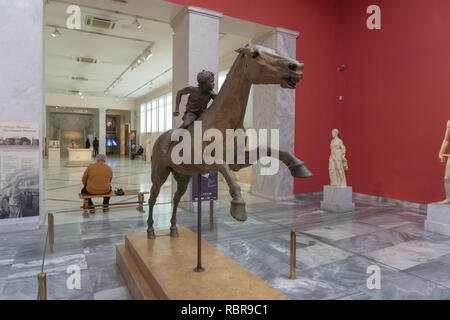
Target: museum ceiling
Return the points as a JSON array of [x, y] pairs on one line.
[[137, 26]]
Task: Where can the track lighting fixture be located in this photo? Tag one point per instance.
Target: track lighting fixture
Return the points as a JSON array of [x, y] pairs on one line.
[[55, 33], [137, 24]]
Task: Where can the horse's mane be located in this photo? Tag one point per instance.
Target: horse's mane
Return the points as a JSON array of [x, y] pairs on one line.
[[226, 85]]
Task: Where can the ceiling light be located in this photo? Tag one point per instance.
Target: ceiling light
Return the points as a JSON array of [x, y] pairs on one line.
[[137, 23], [55, 33], [147, 54]]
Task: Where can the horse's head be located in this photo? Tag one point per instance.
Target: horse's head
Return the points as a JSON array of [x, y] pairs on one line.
[[265, 66]]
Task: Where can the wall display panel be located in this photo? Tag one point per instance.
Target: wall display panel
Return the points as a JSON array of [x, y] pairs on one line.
[[19, 170]]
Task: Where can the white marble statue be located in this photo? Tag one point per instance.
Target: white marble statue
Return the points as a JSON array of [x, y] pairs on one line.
[[442, 157], [338, 163]]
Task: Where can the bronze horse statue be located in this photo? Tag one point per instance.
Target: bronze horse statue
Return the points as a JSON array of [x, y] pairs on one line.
[[254, 65]]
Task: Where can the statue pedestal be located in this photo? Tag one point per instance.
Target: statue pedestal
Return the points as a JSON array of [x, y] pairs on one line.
[[148, 153], [438, 218], [79, 157], [337, 199], [163, 269]]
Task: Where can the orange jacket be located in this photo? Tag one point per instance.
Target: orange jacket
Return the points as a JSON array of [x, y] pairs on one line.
[[97, 178]]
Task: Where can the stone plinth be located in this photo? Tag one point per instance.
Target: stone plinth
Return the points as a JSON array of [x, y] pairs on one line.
[[79, 157], [163, 269], [54, 154], [337, 199], [438, 218], [148, 152]]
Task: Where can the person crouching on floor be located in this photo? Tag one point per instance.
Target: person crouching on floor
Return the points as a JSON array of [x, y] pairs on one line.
[[97, 180]]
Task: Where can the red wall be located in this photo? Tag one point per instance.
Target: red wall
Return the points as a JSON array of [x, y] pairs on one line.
[[396, 96], [316, 112], [395, 89]]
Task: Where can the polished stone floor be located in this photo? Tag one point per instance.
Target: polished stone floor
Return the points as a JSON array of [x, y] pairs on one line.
[[333, 252]]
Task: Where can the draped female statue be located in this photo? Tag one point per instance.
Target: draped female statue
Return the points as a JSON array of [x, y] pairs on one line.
[[338, 162]]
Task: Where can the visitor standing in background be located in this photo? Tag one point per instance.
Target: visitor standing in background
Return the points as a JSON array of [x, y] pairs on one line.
[[95, 145], [73, 144], [88, 144]]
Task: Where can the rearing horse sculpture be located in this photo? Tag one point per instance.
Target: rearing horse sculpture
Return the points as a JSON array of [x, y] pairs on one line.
[[254, 65]]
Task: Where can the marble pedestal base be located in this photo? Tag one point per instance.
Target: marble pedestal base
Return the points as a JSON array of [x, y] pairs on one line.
[[337, 199], [162, 269], [438, 219]]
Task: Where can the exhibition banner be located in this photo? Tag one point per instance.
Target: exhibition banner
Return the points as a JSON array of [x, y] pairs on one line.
[[19, 170]]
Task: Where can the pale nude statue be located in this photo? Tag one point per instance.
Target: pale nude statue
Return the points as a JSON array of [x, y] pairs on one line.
[[442, 157], [338, 163]]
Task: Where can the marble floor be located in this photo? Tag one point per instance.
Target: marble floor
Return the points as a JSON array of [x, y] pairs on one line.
[[333, 252]]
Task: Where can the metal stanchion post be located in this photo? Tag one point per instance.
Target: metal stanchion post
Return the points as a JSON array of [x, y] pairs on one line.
[[293, 249], [199, 267], [51, 232], [211, 215], [42, 285]]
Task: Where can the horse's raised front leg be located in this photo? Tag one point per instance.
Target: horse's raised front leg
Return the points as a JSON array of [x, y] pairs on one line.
[[237, 208], [296, 166], [182, 184], [159, 176]]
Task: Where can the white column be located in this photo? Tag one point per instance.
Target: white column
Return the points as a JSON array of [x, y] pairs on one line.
[[133, 121], [21, 82], [195, 48], [279, 103], [102, 130]]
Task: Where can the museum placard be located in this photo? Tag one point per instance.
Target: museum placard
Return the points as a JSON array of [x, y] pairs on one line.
[[209, 186]]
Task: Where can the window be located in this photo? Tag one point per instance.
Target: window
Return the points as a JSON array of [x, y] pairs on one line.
[[162, 114], [143, 118], [169, 111], [149, 117], [156, 115]]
